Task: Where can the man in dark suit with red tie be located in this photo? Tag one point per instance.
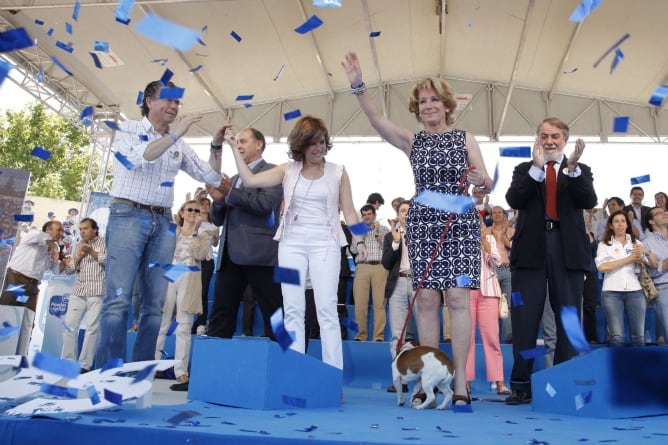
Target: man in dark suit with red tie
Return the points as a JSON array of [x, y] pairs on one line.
[[550, 247]]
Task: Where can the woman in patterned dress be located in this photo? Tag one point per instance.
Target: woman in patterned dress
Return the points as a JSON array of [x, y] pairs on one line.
[[439, 156]]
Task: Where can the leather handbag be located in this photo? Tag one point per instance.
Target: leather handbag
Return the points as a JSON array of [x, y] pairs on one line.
[[504, 310], [648, 287]]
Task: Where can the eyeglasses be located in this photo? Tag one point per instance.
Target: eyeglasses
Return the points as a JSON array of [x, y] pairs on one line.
[[188, 209]]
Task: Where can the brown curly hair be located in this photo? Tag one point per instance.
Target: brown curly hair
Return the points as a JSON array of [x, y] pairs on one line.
[[307, 131], [443, 92]]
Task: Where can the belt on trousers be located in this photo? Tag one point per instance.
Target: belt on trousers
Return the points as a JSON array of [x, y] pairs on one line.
[[503, 266], [406, 274], [32, 280], [150, 208], [551, 225], [372, 263]]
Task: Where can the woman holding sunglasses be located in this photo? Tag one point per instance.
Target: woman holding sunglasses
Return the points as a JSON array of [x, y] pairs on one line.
[[184, 294]]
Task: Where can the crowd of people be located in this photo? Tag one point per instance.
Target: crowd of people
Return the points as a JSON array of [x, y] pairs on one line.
[[289, 216]]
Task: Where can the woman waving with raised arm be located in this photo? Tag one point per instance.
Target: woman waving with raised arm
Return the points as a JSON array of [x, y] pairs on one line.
[[441, 158], [310, 235]]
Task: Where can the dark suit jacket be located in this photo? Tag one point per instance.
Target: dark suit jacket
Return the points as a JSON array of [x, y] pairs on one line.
[[528, 196], [644, 210], [245, 217], [391, 261]]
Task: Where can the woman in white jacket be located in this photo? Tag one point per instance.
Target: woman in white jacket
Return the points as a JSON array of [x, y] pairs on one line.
[[310, 235]]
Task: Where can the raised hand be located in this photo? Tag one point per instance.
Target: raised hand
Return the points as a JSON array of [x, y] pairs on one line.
[[351, 65], [186, 122], [219, 136], [575, 156], [537, 154]]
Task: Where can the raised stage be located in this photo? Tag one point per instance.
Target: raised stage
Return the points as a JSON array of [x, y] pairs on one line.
[[367, 415]]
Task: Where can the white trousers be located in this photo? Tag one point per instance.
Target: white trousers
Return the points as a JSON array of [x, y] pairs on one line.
[[77, 307], [312, 251], [174, 300]]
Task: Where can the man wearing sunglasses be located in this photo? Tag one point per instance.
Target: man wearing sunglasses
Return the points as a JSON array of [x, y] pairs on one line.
[[148, 155]]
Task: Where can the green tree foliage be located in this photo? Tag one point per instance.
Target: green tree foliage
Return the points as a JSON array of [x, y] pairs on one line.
[[63, 174]]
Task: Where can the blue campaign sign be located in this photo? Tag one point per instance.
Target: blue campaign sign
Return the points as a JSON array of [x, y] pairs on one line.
[[58, 305]]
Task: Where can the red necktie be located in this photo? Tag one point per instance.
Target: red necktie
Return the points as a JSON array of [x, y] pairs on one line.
[[551, 192]]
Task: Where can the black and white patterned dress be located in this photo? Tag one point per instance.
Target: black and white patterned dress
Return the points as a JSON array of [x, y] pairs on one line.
[[439, 162]]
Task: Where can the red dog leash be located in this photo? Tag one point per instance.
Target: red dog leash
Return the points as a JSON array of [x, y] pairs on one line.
[[451, 216]]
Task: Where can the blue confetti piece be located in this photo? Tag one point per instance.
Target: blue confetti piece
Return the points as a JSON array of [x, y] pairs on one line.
[[172, 328], [49, 32], [175, 272], [24, 218], [162, 62], [92, 395], [516, 298], [172, 93], [245, 97], [359, 229], [86, 112], [529, 354], [194, 268], [143, 138], [515, 152], [140, 98], [144, 373], [167, 184], [8, 330], [65, 46], [283, 337], [619, 55], [40, 75], [113, 397], [374, 34], [297, 402], [22, 298], [123, 10], [611, 49], [41, 152], [286, 275], [172, 229], [166, 76], [58, 391], [123, 160], [235, 36], [167, 33], [640, 179], [183, 415], [76, 10], [571, 324], [8, 242], [495, 179], [659, 95], [119, 291], [39, 22], [248, 105], [447, 203], [15, 39], [309, 25], [350, 324], [280, 71], [101, 45], [5, 68], [200, 41], [68, 28], [583, 10], [153, 265], [60, 65], [197, 68], [620, 124], [463, 281], [292, 115], [16, 289], [112, 364], [55, 365], [271, 222]]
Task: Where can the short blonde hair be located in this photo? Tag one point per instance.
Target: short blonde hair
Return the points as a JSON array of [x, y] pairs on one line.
[[443, 92]]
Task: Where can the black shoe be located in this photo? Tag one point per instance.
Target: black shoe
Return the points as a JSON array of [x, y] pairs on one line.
[[518, 398], [179, 386]]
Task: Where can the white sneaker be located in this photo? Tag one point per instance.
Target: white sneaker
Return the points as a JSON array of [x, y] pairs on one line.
[[201, 330]]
